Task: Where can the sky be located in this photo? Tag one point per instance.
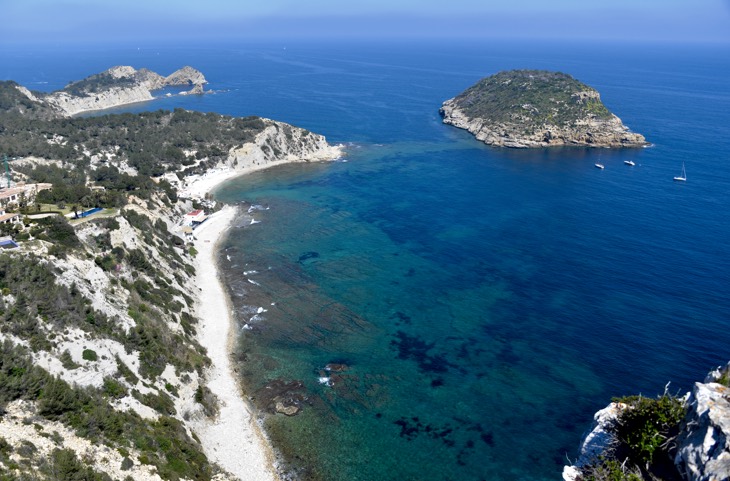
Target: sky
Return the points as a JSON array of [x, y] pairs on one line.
[[79, 21]]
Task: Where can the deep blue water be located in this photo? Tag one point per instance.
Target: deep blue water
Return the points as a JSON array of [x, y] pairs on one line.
[[485, 301]]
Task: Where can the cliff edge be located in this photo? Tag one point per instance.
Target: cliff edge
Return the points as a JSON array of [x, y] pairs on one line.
[[537, 108], [685, 438]]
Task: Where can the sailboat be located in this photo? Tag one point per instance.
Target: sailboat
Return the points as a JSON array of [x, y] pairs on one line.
[[683, 177]]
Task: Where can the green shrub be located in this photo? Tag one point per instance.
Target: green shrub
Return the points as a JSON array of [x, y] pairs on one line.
[[113, 388], [125, 372], [66, 466], [159, 402], [611, 470], [89, 355], [171, 389], [56, 229], [646, 425], [67, 361], [725, 378], [57, 398]]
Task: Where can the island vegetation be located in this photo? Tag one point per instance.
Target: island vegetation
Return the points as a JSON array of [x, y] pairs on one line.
[[536, 108]]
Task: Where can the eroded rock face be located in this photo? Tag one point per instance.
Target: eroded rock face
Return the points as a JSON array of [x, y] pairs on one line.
[[70, 105], [596, 443], [186, 76], [589, 132], [281, 143], [703, 452]]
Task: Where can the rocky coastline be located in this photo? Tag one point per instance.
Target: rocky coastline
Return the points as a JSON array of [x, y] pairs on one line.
[[115, 87], [537, 109], [139, 352]]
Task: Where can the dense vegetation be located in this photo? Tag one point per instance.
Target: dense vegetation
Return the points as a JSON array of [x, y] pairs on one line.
[[151, 142], [35, 307], [14, 103], [540, 96], [163, 443], [644, 432], [97, 83], [105, 161]]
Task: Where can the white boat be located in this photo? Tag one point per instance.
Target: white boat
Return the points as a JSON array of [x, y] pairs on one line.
[[683, 177], [599, 166], [630, 162]]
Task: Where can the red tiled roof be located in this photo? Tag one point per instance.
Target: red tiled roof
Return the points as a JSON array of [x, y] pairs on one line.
[[5, 217], [195, 213]]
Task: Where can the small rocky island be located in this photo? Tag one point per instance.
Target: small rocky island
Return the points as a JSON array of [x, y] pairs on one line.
[[537, 108], [115, 87]]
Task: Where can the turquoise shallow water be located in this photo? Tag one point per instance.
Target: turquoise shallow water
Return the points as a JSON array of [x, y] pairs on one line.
[[485, 302]]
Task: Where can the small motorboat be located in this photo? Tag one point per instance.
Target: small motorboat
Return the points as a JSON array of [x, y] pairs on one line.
[[599, 166], [630, 162]]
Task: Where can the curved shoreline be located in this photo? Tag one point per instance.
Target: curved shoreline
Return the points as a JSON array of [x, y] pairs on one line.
[[234, 440]]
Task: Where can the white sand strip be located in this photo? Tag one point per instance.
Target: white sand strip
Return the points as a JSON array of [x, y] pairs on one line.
[[234, 441]]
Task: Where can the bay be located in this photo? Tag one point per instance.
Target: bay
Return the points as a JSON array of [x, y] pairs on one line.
[[485, 302]]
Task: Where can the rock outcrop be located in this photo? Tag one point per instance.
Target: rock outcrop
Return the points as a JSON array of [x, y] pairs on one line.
[[282, 143], [702, 446], [115, 87], [703, 452], [597, 442], [533, 109]]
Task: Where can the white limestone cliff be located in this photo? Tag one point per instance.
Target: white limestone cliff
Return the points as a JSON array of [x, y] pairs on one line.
[[703, 452], [281, 143]]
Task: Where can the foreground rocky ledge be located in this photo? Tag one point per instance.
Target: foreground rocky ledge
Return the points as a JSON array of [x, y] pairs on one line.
[[533, 109], [702, 447]]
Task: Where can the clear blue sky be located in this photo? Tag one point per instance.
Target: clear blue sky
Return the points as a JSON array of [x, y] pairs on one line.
[[100, 20]]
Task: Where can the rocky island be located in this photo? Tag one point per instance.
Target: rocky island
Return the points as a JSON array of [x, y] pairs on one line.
[[534, 109], [114, 327], [115, 87]]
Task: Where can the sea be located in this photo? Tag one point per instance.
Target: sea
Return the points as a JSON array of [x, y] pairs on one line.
[[440, 309]]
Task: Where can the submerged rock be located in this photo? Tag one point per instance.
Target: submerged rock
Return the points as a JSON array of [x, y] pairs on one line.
[[283, 408], [281, 397], [336, 367]]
